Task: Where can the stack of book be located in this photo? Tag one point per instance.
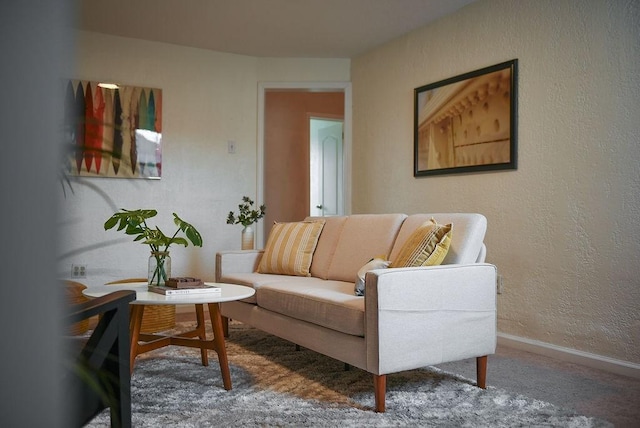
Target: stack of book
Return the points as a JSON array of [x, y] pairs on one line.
[[180, 286]]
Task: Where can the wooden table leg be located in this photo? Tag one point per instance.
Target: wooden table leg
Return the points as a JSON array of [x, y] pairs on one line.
[[202, 333], [218, 338], [134, 328]]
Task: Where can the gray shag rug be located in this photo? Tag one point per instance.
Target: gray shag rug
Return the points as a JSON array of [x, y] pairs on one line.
[[275, 385]]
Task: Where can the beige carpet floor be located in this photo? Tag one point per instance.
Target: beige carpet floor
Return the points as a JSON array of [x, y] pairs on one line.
[[588, 391], [274, 384]]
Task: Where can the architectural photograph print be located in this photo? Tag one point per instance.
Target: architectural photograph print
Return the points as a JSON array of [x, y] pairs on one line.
[[467, 123]]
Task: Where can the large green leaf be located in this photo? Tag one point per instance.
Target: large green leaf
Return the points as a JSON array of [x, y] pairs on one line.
[[180, 241], [191, 232], [134, 222], [111, 222]]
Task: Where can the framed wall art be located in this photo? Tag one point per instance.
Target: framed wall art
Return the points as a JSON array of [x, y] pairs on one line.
[[467, 123], [113, 130]]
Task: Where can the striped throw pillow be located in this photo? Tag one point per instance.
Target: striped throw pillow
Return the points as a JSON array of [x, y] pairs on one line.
[[426, 246], [290, 248]]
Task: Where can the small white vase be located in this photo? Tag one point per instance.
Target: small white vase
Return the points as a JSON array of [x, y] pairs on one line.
[[247, 238]]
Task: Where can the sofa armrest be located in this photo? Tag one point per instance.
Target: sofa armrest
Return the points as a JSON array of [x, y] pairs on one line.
[[241, 261], [429, 315]]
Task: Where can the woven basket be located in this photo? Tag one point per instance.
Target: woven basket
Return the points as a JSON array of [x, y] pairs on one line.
[[156, 317], [73, 292]]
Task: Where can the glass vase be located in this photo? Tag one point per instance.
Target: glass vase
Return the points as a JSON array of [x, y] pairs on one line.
[[247, 238], [159, 267]]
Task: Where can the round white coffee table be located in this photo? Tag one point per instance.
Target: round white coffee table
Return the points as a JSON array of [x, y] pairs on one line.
[[141, 343]]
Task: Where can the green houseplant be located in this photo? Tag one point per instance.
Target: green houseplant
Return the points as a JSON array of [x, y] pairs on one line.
[[247, 215], [134, 222]]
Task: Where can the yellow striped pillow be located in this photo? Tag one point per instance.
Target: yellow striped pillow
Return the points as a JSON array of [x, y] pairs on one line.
[[290, 248], [426, 246]]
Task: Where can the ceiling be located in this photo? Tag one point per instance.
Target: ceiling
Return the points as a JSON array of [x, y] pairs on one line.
[[265, 28]]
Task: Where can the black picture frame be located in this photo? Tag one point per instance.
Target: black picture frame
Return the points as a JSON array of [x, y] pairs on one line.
[[467, 123]]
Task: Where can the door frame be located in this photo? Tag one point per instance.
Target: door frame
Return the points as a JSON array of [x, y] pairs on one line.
[[263, 87]]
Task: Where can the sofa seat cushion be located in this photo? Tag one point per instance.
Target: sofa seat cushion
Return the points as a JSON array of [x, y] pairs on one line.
[[255, 280], [327, 303]]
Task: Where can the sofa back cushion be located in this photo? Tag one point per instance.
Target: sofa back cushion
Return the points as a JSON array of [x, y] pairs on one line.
[[327, 244], [362, 237], [467, 235]]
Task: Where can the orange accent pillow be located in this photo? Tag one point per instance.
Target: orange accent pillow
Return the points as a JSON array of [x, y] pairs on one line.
[[290, 247], [428, 245]]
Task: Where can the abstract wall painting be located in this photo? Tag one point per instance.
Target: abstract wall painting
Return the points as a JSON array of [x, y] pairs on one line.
[[467, 123], [113, 130]]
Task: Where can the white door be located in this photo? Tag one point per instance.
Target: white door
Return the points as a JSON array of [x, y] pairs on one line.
[[326, 167]]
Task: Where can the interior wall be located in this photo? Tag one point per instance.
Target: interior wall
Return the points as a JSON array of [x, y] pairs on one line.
[[209, 98], [286, 150], [563, 227]]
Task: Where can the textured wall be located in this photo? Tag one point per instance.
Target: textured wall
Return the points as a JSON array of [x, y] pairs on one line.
[[563, 228], [208, 99]]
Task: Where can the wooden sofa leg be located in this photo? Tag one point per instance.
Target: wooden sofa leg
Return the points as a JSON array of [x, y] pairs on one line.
[[481, 371], [380, 388]]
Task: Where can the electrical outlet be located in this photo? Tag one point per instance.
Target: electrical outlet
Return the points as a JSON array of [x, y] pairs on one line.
[[78, 271], [500, 284]]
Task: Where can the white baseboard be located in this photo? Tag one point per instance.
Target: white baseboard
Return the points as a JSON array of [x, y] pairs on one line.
[[569, 355]]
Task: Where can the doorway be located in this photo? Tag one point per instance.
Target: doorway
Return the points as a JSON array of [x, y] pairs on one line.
[[283, 174]]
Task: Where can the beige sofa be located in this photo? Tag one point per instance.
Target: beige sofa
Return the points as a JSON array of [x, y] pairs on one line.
[[408, 317]]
